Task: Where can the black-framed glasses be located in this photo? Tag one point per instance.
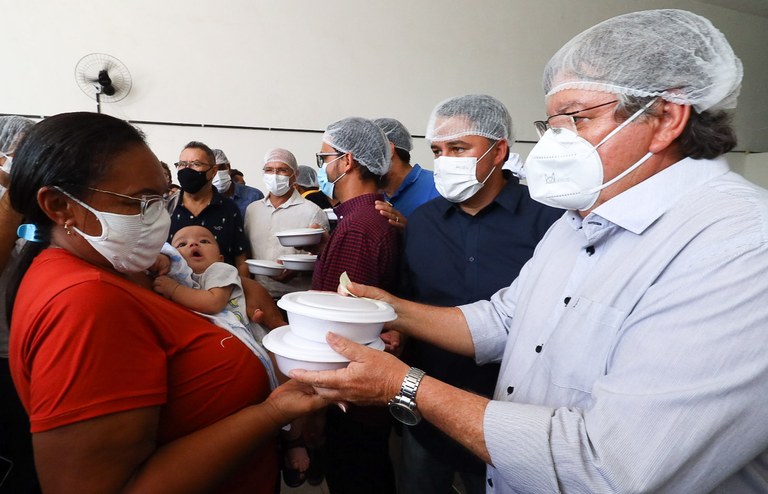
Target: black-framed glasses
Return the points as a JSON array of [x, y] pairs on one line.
[[195, 165], [321, 157], [564, 120], [151, 205]]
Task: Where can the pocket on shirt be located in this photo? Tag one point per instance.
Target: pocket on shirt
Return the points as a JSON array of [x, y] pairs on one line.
[[577, 352]]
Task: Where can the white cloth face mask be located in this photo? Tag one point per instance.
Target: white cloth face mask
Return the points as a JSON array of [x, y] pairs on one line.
[[222, 181], [278, 185], [125, 241], [565, 171], [455, 177]]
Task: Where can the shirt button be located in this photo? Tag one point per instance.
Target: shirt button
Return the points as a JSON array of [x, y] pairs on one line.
[[471, 259], [490, 482], [538, 348], [566, 300], [510, 389]]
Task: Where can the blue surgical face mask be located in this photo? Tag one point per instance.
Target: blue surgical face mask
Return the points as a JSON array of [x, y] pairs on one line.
[[325, 186]]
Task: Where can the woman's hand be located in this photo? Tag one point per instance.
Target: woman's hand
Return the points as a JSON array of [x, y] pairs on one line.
[[372, 377], [293, 399], [394, 216]]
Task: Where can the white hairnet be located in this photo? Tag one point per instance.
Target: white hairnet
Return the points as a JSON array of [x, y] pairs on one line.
[[364, 139], [281, 156], [473, 114], [674, 54], [221, 158], [396, 133], [307, 176], [12, 129]]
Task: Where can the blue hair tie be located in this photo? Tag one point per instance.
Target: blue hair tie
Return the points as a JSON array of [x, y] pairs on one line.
[[29, 232]]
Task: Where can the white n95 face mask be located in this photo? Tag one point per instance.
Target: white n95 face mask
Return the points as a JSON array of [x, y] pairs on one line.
[[222, 181], [125, 241], [455, 177], [565, 171]]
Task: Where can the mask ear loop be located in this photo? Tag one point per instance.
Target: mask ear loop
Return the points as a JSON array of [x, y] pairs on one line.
[[483, 156], [637, 164], [626, 122]]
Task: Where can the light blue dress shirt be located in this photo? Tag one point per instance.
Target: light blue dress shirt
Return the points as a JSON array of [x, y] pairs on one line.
[[634, 345]]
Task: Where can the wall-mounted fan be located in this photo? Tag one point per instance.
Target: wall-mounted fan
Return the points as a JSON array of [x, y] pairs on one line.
[[103, 78]]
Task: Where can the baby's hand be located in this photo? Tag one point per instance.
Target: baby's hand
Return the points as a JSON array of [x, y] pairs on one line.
[[161, 266], [165, 286]]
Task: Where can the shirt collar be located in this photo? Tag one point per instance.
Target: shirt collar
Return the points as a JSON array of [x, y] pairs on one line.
[[509, 197], [350, 205], [640, 206], [294, 199], [409, 180]]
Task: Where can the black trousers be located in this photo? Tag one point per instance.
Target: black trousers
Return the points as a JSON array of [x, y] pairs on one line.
[[357, 451]]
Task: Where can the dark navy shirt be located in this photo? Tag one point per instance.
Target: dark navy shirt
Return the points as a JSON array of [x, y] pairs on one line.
[[453, 258], [222, 217]]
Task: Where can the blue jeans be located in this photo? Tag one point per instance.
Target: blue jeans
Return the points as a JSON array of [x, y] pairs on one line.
[[422, 473]]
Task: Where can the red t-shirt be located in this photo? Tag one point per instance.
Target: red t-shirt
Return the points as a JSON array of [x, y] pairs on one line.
[[86, 342]]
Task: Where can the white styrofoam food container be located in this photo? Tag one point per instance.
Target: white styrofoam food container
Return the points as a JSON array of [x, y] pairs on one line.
[[300, 237], [312, 314], [299, 262], [294, 352], [264, 267]]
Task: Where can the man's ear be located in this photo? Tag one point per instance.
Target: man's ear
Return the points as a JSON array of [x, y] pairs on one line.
[[500, 152], [349, 163], [55, 205], [669, 125]]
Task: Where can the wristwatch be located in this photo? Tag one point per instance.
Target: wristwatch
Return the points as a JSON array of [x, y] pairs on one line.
[[403, 405]]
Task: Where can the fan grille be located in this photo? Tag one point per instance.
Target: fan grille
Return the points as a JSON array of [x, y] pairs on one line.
[[87, 76]]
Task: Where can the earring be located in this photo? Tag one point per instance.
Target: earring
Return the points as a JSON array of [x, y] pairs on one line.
[[66, 227]]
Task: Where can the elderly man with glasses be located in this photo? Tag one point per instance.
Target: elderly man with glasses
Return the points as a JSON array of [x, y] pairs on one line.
[[633, 344]]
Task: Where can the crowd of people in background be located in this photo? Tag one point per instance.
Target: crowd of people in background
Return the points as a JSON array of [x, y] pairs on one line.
[[589, 322]]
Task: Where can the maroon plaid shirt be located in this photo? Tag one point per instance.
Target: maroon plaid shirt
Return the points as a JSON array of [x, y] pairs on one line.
[[363, 244]]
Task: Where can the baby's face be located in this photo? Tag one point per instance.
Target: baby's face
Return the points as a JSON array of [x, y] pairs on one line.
[[197, 245]]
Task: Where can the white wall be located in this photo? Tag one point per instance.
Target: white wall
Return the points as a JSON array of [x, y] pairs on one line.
[[305, 63]]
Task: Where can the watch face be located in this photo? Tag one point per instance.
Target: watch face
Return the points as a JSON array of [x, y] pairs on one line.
[[404, 414]]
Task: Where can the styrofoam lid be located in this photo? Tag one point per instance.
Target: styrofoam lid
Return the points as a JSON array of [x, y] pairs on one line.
[[264, 263], [299, 231], [285, 343], [330, 306], [299, 257]]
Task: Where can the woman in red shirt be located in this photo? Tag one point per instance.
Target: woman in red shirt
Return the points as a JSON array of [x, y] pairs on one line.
[[126, 391]]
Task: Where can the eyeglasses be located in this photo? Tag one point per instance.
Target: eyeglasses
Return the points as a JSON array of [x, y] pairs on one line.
[[564, 120], [195, 165], [287, 172], [321, 157], [151, 205]]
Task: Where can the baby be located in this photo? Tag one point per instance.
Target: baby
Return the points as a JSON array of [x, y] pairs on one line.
[[199, 280]]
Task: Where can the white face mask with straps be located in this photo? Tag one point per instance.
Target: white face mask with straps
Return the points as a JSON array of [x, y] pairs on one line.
[[565, 171], [456, 177], [125, 241], [222, 181]]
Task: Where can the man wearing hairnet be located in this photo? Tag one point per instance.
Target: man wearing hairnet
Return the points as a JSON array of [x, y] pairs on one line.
[[405, 186], [282, 209], [15, 439], [306, 184], [632, 345], [459, 248], [354, 155], [242, 194]]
